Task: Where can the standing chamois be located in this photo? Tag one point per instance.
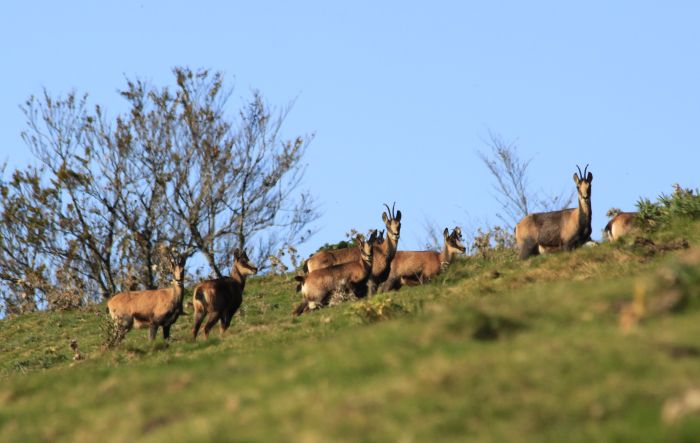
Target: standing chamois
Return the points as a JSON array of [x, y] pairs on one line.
[[317, 286], [416, 267], [220, 298], [558, 230], [384, 253], [151, 308], [620, 225]]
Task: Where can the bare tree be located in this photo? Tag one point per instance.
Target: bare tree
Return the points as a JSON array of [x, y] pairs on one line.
[[512, 186], [433, 235], [175, 171], [270, 172], [84, 226], [23, 272], [225, 180]]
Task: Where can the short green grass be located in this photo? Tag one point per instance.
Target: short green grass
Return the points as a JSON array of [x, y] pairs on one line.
[[493, 350]]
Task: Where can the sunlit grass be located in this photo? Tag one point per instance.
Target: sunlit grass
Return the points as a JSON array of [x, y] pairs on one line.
[[493, 350]]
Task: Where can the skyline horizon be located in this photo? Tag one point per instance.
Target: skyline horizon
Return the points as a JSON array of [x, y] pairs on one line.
[[402, 97]]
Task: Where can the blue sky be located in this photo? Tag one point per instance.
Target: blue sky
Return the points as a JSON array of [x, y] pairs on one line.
[[401, 95]]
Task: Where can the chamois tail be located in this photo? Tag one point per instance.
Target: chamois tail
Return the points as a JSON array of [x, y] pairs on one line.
[[301, 308], [198, 299], [301, 279], [608, 230]]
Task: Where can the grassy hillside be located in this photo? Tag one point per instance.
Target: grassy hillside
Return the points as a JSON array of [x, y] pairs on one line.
[[601, 344]]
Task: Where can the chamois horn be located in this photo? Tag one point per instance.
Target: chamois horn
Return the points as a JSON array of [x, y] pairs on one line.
[[582, 176], [392, 214]]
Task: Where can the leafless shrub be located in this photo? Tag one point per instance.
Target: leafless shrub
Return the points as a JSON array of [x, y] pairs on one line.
[[512, 185], [433, 235], [489, 240], [111, 332], [482, 243], [277, 265], [341, 295]]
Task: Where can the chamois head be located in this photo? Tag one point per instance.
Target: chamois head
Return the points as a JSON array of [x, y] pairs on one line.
[[366, 252], [242, 263], [392, 222], [176, 260], [178, 270], [454, 241], [380, 238], [583, 183]]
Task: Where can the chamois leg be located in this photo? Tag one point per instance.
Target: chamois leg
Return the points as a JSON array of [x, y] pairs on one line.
[[152, 331], [528, 248], [360, 291], [124, 324], [371, 287], [226, 320], [392, 285], [198, 319], [222, 325], [410, 280], [211, 321], [388, 285], [397, 285], [166, 332], [571, 245]]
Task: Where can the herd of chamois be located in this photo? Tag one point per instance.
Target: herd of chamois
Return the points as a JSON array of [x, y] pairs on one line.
[[375, 264]]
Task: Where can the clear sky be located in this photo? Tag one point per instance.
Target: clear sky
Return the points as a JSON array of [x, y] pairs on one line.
[[402, 94]]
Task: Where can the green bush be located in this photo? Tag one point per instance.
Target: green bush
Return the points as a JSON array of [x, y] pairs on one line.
[[683, 203], [340, 245], [377, 309], [351, 242]]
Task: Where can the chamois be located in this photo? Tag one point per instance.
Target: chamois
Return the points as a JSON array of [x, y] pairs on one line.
[[384, 253], [565, 229], [416, 267], [317, 286], [621, 224], [220, 298], [151, 308]]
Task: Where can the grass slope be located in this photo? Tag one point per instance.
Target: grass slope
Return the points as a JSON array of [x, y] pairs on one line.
[[600, 344]]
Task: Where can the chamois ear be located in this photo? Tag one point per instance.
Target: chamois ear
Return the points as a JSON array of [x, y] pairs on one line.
[[398, 215], [590, 177], [384, 217], [446, 233], [236, 253], [576, 179], [373, 236]]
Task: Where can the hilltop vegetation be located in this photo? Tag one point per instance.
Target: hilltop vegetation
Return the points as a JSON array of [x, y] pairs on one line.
[[599, 344]]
